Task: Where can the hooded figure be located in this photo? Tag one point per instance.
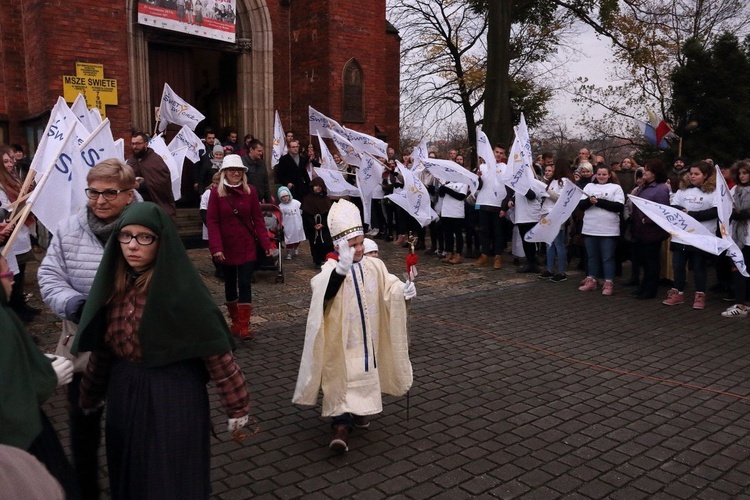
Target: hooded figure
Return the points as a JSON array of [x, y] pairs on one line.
[[155, 334]]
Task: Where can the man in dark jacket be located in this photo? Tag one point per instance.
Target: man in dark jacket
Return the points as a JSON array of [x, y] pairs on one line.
[[257, 175], [152, 174], [291, 171]]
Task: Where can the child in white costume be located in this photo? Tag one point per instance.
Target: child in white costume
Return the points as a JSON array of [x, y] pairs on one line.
[[356, 344], [294, 232]]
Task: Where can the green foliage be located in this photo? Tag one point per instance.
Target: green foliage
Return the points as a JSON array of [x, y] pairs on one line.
[[711, 99]]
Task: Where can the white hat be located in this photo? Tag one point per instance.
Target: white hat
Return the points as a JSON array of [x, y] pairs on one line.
[[218, 149], [232, 161], [344, 221], [370, 246]]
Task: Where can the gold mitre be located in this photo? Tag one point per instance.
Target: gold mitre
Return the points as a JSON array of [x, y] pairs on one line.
[[344, 221]]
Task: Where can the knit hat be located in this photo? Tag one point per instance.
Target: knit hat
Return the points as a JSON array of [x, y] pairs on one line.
[[232, 161], [283, 190], [370, 246], [218, 148], [344, 221]]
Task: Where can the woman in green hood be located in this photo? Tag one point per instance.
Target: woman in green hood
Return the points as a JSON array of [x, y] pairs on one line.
[[156, 337]]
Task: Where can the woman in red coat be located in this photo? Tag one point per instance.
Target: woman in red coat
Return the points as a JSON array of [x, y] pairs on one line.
[[235, 231]]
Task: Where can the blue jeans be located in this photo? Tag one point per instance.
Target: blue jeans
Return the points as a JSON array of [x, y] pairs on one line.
[[697, 260], [557, 248], [601, 252]]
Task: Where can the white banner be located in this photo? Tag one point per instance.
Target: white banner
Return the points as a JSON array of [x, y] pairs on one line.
[[60, 124], [414, 198], [279, 141], [81, 110], [335, 182], [170, 158], [450, 171], [346, 150], [724, 209], [678, 223], [322, 126], [484, 149], [326, 158], [369, 177], [186, 138], [364, 143], [100, 145], [205, 18], [548, 227], [60, 191], [175, 109]]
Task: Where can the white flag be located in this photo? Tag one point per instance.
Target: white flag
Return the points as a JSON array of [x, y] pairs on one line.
[[420, 151], [548, 228], [335, 182], [186, 138], [95, 117], [414, 198], [724, 209], [326, 158], [279, 141], [679, 224], [322, 126], [450, 171], [175, 109], [99, 145], [81, 110], [120, 147], [484, 149], [60, 191], [369, 177], [364, 143], [58, 127], [346, 150], [170, 158]]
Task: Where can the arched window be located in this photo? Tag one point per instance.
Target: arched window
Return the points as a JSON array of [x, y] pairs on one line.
[[354, 109]]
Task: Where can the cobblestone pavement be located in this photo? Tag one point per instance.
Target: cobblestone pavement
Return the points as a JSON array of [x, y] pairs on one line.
[[522, 389]]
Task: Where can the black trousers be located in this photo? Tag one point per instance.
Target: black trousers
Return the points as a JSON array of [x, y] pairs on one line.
[[647, 255]]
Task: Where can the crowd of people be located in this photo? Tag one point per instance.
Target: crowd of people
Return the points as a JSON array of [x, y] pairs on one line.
[[141, 332]]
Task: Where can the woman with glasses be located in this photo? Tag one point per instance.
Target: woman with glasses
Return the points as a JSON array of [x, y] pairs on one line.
[[236, 236], [65, 278], [10, 188], [156, 336]]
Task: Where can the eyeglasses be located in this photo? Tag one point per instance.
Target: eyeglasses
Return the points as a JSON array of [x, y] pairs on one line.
[[109, 194], [143, 239]]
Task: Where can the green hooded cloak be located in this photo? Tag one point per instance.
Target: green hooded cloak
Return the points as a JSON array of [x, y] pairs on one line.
[[180, 319]]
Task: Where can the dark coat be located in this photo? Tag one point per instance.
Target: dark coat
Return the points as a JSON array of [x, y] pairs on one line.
[[157, 183], [644, 229], [288, 172]]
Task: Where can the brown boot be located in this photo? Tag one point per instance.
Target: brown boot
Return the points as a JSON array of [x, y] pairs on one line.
[[234, 327], [447, 257], [498, 264], [457, 259], [483, 260], [338, 441], [244, 311]]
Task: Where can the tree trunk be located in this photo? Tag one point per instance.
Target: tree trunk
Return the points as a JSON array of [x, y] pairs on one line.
[[497, 115]]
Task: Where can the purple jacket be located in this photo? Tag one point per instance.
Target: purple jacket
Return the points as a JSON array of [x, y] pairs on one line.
[[644, 230]]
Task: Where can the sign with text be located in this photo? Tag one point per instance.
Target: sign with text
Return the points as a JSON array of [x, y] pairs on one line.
[[205, 18], [89, 80]]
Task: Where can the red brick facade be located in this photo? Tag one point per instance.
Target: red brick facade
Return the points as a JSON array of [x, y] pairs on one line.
[[40, 41]]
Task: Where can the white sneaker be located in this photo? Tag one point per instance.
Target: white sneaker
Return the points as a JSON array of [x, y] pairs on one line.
[[735, 312], [289, 256], [373, 232], [296, 251]]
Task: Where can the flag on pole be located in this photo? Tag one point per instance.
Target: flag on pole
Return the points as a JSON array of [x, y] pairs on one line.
[[724, 210], [335, 182], [186, 138], [175, 109], [81, 110], [679, 224], [59, 125], [547, 229], [366, 143], [450, 171], [420, 151], [95, 116], [60, 190], [326, 158], [99, 145], [484, 148], [171, 159], [322, 126], [519, 174], [369, 177], [346, 150], [120, 147], [413, 198], [279, 141]]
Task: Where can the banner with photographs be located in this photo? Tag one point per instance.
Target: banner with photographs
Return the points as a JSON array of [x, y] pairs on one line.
[[206, 18]]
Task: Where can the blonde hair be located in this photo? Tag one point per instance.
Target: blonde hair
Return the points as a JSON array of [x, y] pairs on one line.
[[222, 189], [114, 170]]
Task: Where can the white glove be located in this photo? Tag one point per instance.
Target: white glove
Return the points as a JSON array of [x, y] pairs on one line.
[[63, 369], [346, 258], [410, 291], [235, 424]]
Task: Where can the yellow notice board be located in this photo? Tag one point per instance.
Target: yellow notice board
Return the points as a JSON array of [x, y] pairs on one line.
[[89, 80]]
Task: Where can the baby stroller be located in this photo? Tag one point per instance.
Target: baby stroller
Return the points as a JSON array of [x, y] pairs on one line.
[[275, 226]]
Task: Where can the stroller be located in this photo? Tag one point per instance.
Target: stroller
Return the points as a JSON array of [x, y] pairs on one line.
[[274, 221]]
